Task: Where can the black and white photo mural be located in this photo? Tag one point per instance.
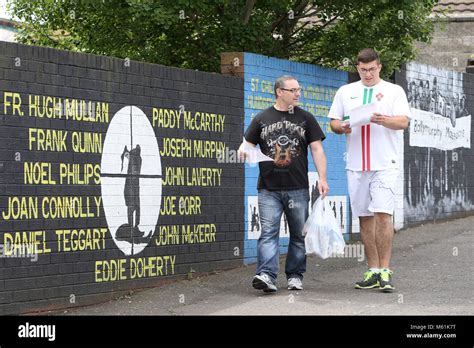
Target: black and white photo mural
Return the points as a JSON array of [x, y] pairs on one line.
[[438, 176]]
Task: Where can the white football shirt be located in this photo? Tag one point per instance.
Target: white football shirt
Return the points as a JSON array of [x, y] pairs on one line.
[[371, 147]]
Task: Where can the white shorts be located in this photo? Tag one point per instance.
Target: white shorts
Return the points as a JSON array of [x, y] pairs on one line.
[[372, 192]]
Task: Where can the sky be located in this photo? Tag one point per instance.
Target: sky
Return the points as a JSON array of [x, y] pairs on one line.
[[3, 9]]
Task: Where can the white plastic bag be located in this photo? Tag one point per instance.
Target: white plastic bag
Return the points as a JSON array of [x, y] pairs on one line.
[[323, 235]]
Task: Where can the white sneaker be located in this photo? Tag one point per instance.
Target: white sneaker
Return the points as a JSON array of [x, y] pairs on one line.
[[295, 284], [263, 282]]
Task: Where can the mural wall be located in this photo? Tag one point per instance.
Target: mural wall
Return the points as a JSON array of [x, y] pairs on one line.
[[117, 175], [109, 178], [438, 154], [319, 85]]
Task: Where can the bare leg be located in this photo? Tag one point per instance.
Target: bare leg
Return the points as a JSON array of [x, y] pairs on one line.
[[367, 232], [384, 238]]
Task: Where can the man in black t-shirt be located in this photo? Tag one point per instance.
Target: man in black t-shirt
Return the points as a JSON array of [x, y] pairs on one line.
[[284, 132]]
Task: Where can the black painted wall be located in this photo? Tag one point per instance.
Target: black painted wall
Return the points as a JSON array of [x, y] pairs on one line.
[[102, 249]]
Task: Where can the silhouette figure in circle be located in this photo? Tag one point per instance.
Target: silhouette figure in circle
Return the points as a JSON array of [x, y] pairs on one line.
[[130, 232]]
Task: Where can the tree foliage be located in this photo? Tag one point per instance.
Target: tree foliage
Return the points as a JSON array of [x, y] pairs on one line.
[[192, 34]]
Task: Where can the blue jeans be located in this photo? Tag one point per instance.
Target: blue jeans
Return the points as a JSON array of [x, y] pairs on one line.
[[271, 205]]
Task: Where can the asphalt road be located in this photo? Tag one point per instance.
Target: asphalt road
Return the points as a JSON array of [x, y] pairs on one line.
[[433, 273]]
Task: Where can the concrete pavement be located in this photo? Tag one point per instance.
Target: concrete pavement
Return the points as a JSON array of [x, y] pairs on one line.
[[433, 273]]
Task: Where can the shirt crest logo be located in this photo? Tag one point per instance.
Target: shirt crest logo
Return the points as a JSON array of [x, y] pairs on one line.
[[379, 96]]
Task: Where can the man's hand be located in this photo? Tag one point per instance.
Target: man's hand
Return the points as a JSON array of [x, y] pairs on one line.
[[346, 128], [391, 122], [243, 148], [340, 127], [323, 187], [319, 159], [378, 118], [241, 153]]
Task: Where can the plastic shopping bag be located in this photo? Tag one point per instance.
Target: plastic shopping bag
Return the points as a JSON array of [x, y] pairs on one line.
[[323, 235]]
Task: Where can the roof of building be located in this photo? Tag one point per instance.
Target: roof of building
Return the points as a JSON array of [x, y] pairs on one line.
[[456, 8], [8, 23]]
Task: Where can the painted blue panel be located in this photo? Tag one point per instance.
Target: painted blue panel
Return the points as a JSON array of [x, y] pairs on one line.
[[319, 86]]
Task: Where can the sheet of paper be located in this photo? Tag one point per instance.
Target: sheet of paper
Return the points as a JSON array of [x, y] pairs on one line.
[[361, 115], [254, 155]]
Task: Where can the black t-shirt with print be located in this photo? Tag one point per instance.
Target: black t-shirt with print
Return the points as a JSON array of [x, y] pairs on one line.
[[285, 137]]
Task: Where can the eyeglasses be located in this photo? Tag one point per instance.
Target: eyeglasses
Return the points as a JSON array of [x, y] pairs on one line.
[[292, 90], [365, 71]]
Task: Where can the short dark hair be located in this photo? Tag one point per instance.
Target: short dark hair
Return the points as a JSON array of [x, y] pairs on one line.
[[280, 82], [368, 55]]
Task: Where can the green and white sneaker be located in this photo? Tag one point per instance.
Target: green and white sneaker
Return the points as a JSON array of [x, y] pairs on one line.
[[371, 281], [386, 280]]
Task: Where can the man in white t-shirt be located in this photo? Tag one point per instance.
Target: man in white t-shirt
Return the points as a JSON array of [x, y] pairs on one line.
[[372, 160]]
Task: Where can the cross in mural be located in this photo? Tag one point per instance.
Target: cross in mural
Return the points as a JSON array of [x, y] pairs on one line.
[[132, 174]]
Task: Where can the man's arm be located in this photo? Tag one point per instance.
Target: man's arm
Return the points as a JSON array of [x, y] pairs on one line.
[[392, 122], [241, 151], [320, 162]]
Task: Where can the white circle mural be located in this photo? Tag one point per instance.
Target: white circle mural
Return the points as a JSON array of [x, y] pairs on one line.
[[131, 180]]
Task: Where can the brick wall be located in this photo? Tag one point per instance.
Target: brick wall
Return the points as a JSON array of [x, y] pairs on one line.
[[438, 160], [451, 46], [109, 167]]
